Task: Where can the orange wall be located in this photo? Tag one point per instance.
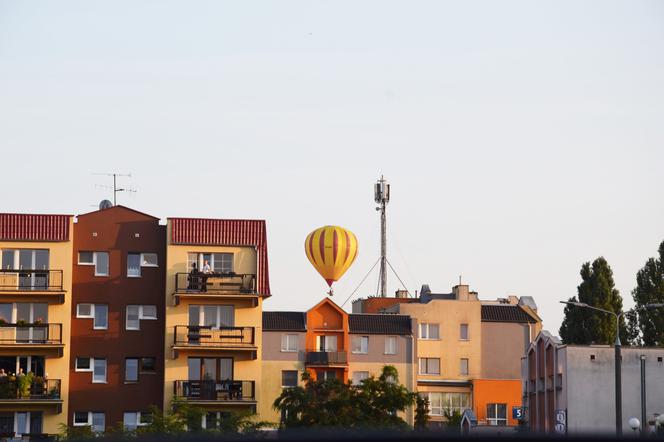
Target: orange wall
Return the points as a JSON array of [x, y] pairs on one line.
[[327, 319], [496, 391]]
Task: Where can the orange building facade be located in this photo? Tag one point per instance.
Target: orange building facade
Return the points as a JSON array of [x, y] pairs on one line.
[[327, 341]]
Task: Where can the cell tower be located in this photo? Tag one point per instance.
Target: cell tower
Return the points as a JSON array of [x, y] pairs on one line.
[[382, 197]]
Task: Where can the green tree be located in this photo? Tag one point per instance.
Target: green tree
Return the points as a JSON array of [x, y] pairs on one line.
[[421, 413], [585, 326], [374, 403], [650, 289]]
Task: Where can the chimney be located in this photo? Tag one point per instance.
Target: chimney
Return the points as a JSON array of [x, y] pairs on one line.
[[401, 294], [514, 300], [461, 292]]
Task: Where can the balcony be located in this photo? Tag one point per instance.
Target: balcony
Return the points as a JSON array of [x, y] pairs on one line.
[[326, 358], [19, 390], [228, 391], [23, 337], [35, 284], [208, 338], [241, 286]]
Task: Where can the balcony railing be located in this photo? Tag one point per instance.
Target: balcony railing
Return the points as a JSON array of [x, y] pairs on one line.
[[210, 390], [20, 387], [208, 336], [216, 283], [30, 334], [326, 357], [30, 280]]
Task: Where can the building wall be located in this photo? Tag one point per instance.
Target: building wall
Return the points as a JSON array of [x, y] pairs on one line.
[[246, 315], [119, 231], [56, 367], [503, 344], [496, 391], [327, 319]]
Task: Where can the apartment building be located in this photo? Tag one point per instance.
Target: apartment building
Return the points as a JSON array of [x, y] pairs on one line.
[[467, 350], [35, 306], [328, 342], [570, 389], [216, 281], [117, 318]]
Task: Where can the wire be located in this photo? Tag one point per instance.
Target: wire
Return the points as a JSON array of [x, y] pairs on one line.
[[397, 275], [361, 282]]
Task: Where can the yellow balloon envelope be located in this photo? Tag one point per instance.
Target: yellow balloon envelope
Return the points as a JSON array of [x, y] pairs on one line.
[[331, 250]]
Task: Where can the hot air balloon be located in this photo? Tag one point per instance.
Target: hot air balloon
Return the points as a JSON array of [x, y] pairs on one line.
[[331, 250]]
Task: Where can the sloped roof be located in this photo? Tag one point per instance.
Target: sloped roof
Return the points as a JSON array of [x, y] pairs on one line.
[[505, 313], [34, 227], [378, 324], [284, 321]]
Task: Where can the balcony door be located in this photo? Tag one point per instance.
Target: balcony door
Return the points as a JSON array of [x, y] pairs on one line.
[[213, 316], [31, 261], [210, 369], [326, 343], [30, 313]]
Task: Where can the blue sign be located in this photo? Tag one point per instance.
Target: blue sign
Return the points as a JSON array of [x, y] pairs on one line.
[[517, 413]]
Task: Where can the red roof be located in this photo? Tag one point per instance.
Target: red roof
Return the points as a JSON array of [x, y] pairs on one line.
[[31, 227], [226, 232]]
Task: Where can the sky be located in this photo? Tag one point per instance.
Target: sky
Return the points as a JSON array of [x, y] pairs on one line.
[[521, 139]]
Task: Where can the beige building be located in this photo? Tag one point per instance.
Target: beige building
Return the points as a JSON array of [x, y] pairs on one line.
[[35, 311], [217, 278]]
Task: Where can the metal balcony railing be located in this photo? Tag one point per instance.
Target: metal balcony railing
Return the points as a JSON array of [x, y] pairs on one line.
[[326, 357], [30, 280], [211, 390], [19, 387], [22, 334], [208, 336], [215, 283]]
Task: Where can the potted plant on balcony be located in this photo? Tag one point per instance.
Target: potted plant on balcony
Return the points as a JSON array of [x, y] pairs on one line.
[[39, 321], [2, 322], [21, 323], [23, 384]]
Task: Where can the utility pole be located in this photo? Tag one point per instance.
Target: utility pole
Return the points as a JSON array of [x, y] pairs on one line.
[[382, 197]]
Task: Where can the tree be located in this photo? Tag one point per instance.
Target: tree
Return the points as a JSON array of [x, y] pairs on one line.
[[374, 403], [650, 289], [421, 413], [586, 326]]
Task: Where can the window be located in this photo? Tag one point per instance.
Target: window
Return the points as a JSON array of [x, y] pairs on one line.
[[99, 371], [359, 376], [149, 260], [90, 418], [135, 419], [439, 402], [289, 343], [83, 364], [463, 367], [429, 365], [327, 375], [289, 378], [98, 312], [134, 265], [218, 262], [390, 345], [131, 370], [86, 258], [463, 332], [148, 365], [360, 344], [326, 343], [137, 312], [215, 316], [429, 331], [496, 414], [97, 259]]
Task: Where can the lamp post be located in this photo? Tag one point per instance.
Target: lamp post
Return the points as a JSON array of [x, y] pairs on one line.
[[618, 355]]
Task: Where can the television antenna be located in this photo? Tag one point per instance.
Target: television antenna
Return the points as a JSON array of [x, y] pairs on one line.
[[115, 187]]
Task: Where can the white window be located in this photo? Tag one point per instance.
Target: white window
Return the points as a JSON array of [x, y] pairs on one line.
[[429, 331], [359, 376], [439, 402], [214, 316], [22, 423], [83, 364], [97, 312], [429, 365], [131, 370], [90, 418], [360, 344], [496, 414], [86, 258], [133, 265], [97, 259], [326, 343], [149, 260], [289, 342], [99, 371], [390, 345], [218, 262], [137, 312], [463, 367], [134, 419], [463, 332]]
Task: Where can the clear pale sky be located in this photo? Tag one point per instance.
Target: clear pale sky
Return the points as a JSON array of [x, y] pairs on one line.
[[521, 138]]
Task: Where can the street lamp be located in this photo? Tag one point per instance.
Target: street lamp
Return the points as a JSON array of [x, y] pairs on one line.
[[618, 356]]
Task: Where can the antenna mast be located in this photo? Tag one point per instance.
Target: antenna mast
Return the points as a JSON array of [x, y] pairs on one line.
[[115, 185], [382, 197]]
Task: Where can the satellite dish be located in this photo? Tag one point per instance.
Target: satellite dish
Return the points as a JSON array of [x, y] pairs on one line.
[[105, 204]]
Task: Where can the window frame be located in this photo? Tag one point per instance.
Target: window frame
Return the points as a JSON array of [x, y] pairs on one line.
[[83, 370], [285, 339], [359, 382], [108, 264], [391, 339], [94, 381], [92, 315], [461, 366], [141, 365], [426, 363], [141, 316], [138, 370], [362, 339], [461, 328], [282, 378], [144, 263], [428, 331], [496, 421], [139, 419], [138, 255]]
